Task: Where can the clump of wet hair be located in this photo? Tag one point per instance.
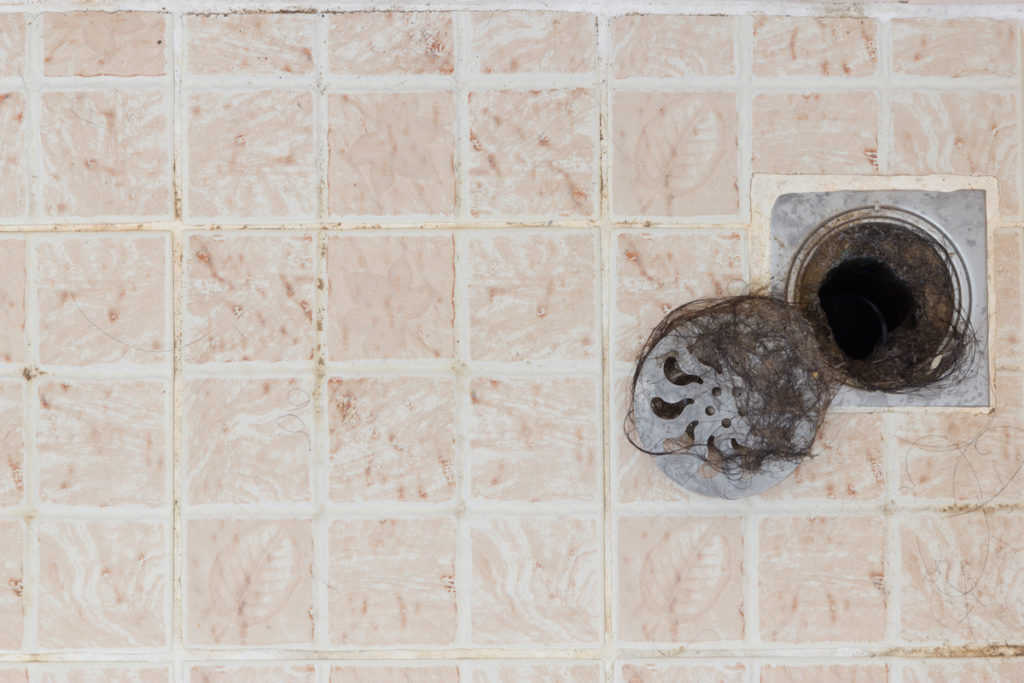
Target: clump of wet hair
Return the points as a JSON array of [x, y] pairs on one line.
[[758, 358]]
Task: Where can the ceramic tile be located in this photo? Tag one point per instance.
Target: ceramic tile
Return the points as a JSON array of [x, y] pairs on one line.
[[533, 42], [12, 44], [12, 585], [1008, 254], [14, 155], [535, 440], [392, 582], [846, 465], [675, 154], [392, 439], [550, 673], [815, 46], [96, 674], [103, 585], [681, 673], [837, 673], [248, 441], [232, 282], [963, 671], [12, 300], [249, 43], [401, 673], [954, 47], [248, 582], [657, 272], [13, 675], [960, 577], [533, 296], [966, 460], [966, 133], [533, 153], [822, 579], [392, 154], [679, 579], [390, 297], [250, 154], [109, 294], [810, 133], [106, 152], [377, 43], [105, 44], [12, 457], [103, 443], [253, 674], [687, 46], [536, 581]]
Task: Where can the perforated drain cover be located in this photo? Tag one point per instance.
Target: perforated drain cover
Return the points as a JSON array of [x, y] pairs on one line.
[[728, 395]]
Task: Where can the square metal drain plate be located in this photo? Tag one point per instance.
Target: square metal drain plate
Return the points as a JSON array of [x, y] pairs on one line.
[[956, 220]]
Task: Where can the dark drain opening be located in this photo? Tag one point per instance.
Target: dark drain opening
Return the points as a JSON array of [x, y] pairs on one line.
[[863, 301]]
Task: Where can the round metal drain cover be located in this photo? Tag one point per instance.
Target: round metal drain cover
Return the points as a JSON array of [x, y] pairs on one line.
[[728, 396]]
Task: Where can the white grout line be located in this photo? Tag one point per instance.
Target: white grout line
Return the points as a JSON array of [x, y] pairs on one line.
[[33, 112], [744, 52], [884, 51], [30, 467], [463, 125], [321, 116], [463, 469], [892, 566]]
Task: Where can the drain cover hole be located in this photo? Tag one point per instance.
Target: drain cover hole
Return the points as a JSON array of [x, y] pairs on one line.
[[675, 374], [863, 301], [669, 411]]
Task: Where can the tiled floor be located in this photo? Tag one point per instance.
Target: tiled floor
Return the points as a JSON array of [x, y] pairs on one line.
[[315, 331]]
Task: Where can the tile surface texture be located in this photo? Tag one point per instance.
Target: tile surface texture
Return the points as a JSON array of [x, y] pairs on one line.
[[317, 331]]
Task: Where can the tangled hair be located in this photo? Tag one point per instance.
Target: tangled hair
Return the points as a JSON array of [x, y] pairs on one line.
[[739, 382]]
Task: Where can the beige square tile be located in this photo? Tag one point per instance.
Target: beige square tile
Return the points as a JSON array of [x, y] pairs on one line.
[[814, 133], [107, 292], [533, 153], [549, 673], [535, 440], [674, 154], [231, 281], [536, 581], [392, 439], [103, 585], [1008, 256], [253, 674], [533, 296], [392, 582], [964, 671], [13, 155], [815, 46], [392, 153], [681, 673], [846, 465], [12, 44], [402, 673], [533, 42], [657, 272], [834, 673], [251, 155], [12, 585], [679, 579], [103, 443], [954, 47], [390, 297], [822, 579], [687, 46], [12, 300], [12, 456], [376, 43], [965, 133], [13, 675], [961, 577], [248, 441], [965, 460], [105, 44], [248, 582], [97, 674], [254, 43], [106, 153]]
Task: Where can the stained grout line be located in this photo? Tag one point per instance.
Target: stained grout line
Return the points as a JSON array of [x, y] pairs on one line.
[[177, 459], [1020, 122], [33, 68], [30, 467], [319, 447], [177, 110], [884, 54], [463, 472], [321, 115], [463, 128], [744, 50], [892, 572]]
